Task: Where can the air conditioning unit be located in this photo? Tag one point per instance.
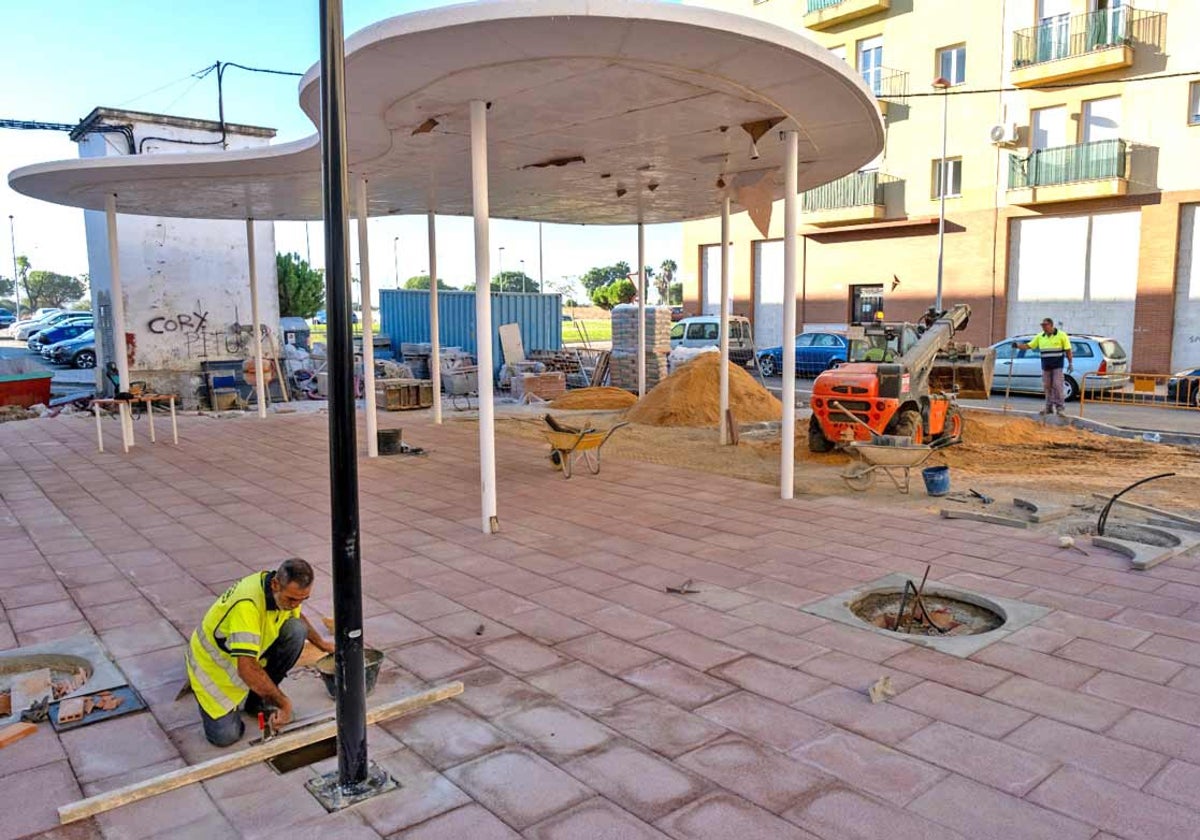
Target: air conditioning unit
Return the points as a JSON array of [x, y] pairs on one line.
[[1003, 134]]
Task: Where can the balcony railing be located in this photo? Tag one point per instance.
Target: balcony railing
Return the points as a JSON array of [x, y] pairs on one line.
[[818, 5], [1095, 161], [1068, 36], [858, 189], [886, 83]]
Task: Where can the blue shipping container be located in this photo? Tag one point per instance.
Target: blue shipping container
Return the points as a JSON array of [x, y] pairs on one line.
[[404, 317]]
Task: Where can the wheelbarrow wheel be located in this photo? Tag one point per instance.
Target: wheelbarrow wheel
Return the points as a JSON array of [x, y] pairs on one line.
[[556, 459], [859, 476]]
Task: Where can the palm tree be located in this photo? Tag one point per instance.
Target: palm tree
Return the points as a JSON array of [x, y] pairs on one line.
[[662, 283]]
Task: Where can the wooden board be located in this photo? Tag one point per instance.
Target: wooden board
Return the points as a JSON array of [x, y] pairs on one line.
[[138, 791], [510, 344], [15, 732]]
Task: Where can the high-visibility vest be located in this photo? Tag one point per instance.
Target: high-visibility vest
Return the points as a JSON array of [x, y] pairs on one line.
[[238, 624]]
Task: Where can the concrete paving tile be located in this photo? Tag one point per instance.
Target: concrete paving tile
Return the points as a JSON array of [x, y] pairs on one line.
[[1071, 707], [26, 619], [156, 667], [860, 643], [1187, 680], [1168, 647], [40, 791], [119, 746], [390, 630], [422, 605], [1149, 697], [639, 782], [344, 825], [625, 623], [1179, 782], [720, 816], [854, 710], [1105, 632], [1127, 662], [32, 594], [584, 687], [446, 734], [470, 821], [869, 766], [589, 580], [518, 786], [781, 593], [842, 813], [1153, 623], [1159, 734], [764, 720], [547, 626], [36, 750], [142, 637], [775, 646], [433, 659], [664, 728], [520, 655], [969, 711], [992, 762], [496, 603], [703, 621], [855, 673], [777, 617], [1051, 670], [691, 649], [1094, 753], [1113, 807], [553, 730], [110, 616], [151, 818], [765, 776], [607, 653], [256, 800], [568, 600], [979, 811], [424, 793], [962, 674], [596, 818], [677, 684], [771, 680], [463, 628], [491, 692]]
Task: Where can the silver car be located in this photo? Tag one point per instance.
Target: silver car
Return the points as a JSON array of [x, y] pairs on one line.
[[1100, 363]]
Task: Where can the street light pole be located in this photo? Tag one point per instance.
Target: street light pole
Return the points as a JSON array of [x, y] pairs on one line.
[[943, 85], [12, 235], [500, 265], [396, 259], [523, 275]]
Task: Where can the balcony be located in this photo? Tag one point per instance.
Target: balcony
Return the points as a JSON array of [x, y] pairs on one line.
[[889, 86], [856, 198], [1069, 173], [1067, 47], [823, 14]]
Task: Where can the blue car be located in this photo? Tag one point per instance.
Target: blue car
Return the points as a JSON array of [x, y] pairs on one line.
[[77, 352], [60, 332], [815, 352], [1184, 387], [7, 318]]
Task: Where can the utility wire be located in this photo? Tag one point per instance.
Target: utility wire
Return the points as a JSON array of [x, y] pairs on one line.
[[1136, 79], [156, 90]]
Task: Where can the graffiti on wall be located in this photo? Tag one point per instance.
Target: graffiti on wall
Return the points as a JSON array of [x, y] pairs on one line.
[[202, 340]]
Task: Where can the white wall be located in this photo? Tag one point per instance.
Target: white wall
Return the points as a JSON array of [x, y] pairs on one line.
[[1079, 270], [1185, 348], [768, 293]]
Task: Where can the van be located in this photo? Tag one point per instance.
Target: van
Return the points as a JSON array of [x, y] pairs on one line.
[[705, 331]]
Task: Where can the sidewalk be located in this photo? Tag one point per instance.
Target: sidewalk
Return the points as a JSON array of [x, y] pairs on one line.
[[596, 704]]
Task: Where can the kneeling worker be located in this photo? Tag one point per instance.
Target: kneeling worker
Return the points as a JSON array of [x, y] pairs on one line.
[[248, 641]]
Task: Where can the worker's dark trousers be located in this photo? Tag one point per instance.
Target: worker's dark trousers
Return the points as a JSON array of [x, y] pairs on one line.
[[281, 656]]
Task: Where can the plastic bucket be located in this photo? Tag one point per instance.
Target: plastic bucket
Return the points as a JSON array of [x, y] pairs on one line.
[[389, 441], [372, 659], [937, 480]]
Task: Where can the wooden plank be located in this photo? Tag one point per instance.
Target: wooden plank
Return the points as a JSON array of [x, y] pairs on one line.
[[15, 732], [138, 791]]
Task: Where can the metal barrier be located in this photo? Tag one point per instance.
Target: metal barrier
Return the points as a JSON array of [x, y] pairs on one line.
[[1147, 390]]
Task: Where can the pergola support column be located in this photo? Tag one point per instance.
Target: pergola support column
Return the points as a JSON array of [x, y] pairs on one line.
[[641, 329], [364, 271], [723, 335], [435, 338], [260, 375], [483, 317], [117, 309], [787, 451]]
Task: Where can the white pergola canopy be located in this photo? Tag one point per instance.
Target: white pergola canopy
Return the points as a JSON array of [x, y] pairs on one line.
[[600, 112]]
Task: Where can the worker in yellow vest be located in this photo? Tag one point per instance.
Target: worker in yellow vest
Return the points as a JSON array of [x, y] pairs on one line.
[[1054, 345], [248, 641]]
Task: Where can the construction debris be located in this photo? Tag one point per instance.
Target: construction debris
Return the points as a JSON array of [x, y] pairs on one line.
[[881, 689], [684, 588], [1069, 542]]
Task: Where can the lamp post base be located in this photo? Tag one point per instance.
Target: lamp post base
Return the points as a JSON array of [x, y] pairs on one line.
[[334, 796]]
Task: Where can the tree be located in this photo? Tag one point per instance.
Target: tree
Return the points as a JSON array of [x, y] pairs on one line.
[[604, 275], [513, 281], [623, 291], [45, 288], [301, 288], [675, 295], [6, 287], [666, 276], [421, 282]]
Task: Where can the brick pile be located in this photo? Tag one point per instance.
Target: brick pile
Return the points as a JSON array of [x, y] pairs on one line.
[[624, 345]]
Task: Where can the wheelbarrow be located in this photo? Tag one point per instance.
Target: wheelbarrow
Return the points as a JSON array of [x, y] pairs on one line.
[[568, 445], [895, 461]]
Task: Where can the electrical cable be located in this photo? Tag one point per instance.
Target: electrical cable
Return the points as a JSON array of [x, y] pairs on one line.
[[1135, 80], [156, 90]]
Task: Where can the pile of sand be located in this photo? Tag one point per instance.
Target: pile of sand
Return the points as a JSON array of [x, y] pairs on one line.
[[690, 397], [597, 399]]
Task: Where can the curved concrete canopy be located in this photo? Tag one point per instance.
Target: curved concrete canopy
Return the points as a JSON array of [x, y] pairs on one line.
[[601, 112]]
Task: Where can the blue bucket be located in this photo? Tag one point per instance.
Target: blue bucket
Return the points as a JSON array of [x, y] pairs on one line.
[[937, 480]]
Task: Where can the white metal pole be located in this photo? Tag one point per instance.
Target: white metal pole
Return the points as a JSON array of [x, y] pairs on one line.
[[260, 375], [118, 315], [12, 238], [364, 267], [944, 187], [541, 263], [723, 335], [641, 315], [483, 316], [787, 452], [435, 338]]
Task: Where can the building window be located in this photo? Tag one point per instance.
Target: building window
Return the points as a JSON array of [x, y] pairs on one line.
[[870, 62], [1194, 103], [952, 64], [953, 180]]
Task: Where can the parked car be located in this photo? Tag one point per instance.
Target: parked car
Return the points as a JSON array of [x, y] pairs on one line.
[[24, 330], [1100, 363], [1184, 387], [7, 318], [815, 352], [77, 352], [677, 313], [705, 331], [68, 328], [320, 318]]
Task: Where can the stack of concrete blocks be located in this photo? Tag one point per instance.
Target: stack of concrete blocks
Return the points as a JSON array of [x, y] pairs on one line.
[[623, 363]]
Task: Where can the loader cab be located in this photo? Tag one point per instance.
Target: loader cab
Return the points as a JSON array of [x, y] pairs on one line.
[[884, 343]]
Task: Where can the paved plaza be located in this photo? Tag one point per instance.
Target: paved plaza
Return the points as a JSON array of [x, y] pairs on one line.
[[597, 705]]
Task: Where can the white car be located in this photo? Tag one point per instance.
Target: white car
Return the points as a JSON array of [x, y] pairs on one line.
[[25, 330]]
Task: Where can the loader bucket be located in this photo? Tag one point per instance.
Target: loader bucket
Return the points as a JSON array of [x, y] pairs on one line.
[[967, 375]]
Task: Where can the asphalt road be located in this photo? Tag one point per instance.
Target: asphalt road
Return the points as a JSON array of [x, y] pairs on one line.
[[65, 379]]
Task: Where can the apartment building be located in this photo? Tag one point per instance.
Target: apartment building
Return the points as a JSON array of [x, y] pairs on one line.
[[1071, 180]]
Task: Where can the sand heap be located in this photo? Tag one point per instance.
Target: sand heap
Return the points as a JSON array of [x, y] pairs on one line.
[[689, 397], [595, 399]]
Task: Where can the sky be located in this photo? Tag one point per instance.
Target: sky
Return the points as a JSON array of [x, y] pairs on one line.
[[62, 58]]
